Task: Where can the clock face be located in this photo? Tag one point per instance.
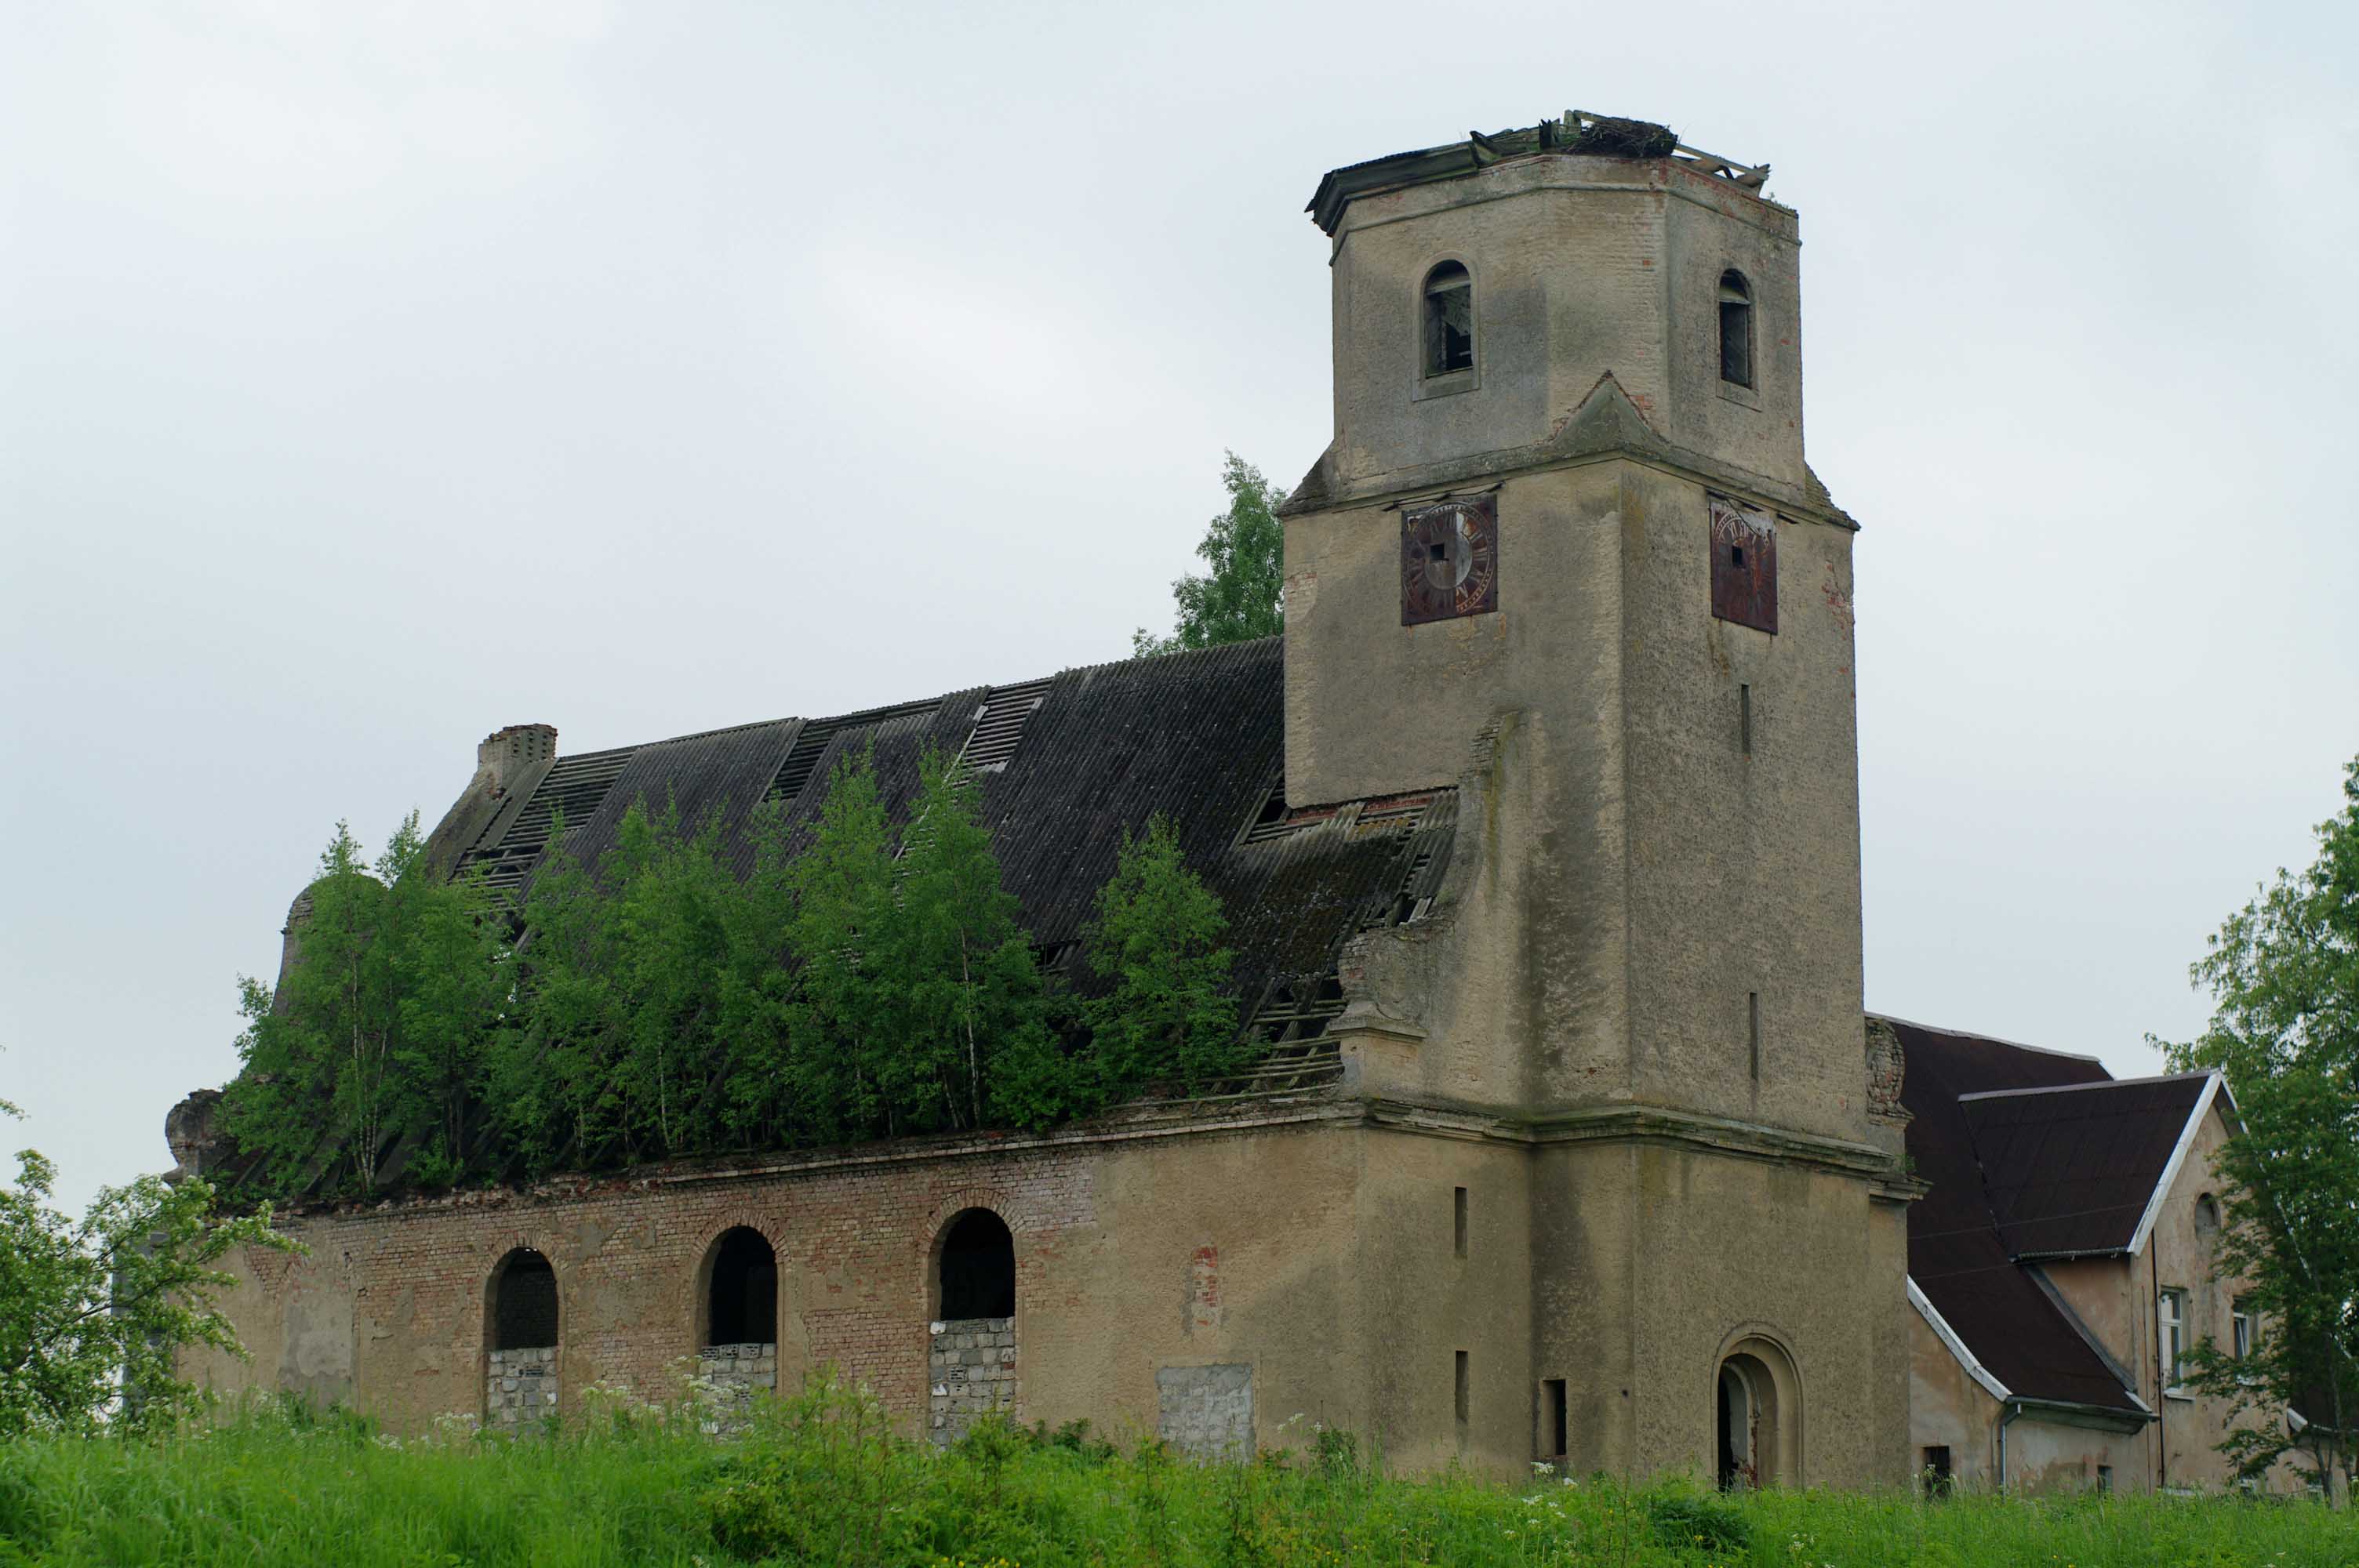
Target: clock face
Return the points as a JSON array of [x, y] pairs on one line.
[[1450, 560]]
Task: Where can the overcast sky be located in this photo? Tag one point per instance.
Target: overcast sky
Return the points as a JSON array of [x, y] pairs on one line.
[[374, 376]]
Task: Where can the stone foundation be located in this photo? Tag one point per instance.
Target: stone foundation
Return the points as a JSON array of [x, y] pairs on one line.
[[971, 1371], [732, 1375], [519, 1389]]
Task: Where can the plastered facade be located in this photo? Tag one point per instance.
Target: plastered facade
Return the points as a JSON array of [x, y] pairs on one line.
[[2114, 1300]]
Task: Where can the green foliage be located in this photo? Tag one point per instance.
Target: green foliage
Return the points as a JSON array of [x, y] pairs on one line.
[[382, 1026], [2284, 975], [1241, 598], [856, 981], [821, 1479], [964, 1005], [1157, 941], [94, 1312]]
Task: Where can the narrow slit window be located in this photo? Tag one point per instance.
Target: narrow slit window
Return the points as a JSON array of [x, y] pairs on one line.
[[1552, 1413], [1458, 1221], [1462, 1395], [1745, 720], [1752, 1031], [1449, 320], [1736, 329]]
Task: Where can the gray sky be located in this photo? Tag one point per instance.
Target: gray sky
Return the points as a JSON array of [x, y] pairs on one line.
[[377, 374]]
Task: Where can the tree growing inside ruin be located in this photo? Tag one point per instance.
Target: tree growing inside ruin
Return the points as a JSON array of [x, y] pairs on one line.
[[964, 1005], [380, 1026], [2284, 976], [1156, 942], [1241, 597]]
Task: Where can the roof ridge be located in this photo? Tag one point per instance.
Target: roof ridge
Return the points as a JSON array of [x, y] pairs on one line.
[[2099, 1084], [1988, 1039]]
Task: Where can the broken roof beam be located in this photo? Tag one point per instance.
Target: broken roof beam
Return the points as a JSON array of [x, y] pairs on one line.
[[1747, 177]]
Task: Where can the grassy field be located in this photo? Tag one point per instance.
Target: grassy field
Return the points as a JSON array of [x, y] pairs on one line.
[[820, 1481]]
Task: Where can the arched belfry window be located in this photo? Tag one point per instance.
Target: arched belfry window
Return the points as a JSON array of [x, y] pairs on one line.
[[1736, 329], [741, 1294], [978, 1267], [1449, 320], [523, 1302]]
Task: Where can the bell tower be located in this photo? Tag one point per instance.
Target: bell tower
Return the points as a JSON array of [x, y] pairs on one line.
[[1564, 552]]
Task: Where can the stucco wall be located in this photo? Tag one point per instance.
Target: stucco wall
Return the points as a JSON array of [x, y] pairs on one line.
[[2118, 1299], [1581, 266]]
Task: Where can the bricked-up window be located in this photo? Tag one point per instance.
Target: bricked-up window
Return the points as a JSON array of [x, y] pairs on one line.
[[523, 1302], [1743, 564], [978, 1267], [1449, 320], [1736, 329], [741, 1299]]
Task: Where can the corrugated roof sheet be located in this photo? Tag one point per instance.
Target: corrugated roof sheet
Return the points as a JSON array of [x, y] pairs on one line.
[[1197, 737]]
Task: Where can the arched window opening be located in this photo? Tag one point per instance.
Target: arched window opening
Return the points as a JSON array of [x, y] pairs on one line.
[[523, 1302], [741, 1299], [1449, 320], [2207, 1215], [1736, 329], [978, 1267], [970, 1364], [1759, 1417], [1739, 1424], [520, 1333]]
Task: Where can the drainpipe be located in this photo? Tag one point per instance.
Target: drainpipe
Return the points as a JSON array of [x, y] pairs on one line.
[[2007, 1411]]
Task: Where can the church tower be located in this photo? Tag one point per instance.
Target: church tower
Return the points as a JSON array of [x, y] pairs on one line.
[[1564, 554]]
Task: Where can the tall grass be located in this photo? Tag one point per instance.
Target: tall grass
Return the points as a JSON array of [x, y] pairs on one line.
[[821, 1480]]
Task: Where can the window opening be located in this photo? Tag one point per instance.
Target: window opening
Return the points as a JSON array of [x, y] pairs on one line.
[[1458, 1207], [1736, 329], [2170, 1311], [1745, 720], [1738, 1429], [2207, 1215], [1461, 1396], [741, 1302], [1554, 1406], [1449, 320], [1936, 1471], [978, 1267], [2241, 1334], [524, 1302], [1752, 1031], [2105, 1478]]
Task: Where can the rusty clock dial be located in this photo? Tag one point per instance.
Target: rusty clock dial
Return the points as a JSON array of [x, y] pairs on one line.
[[1450, 560]]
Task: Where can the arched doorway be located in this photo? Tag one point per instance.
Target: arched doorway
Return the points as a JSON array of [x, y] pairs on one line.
[[972, 1363], [520, 1339], [737, 1323], [1758, 1417]]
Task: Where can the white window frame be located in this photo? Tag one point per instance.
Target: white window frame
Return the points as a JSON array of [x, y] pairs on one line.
[[2171, 1336]]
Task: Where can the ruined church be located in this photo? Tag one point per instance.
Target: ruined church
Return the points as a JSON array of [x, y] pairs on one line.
[[1538, 830]]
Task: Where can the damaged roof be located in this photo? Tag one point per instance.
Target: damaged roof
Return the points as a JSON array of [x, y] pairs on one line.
[[1067, 764], [1576, 131]]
